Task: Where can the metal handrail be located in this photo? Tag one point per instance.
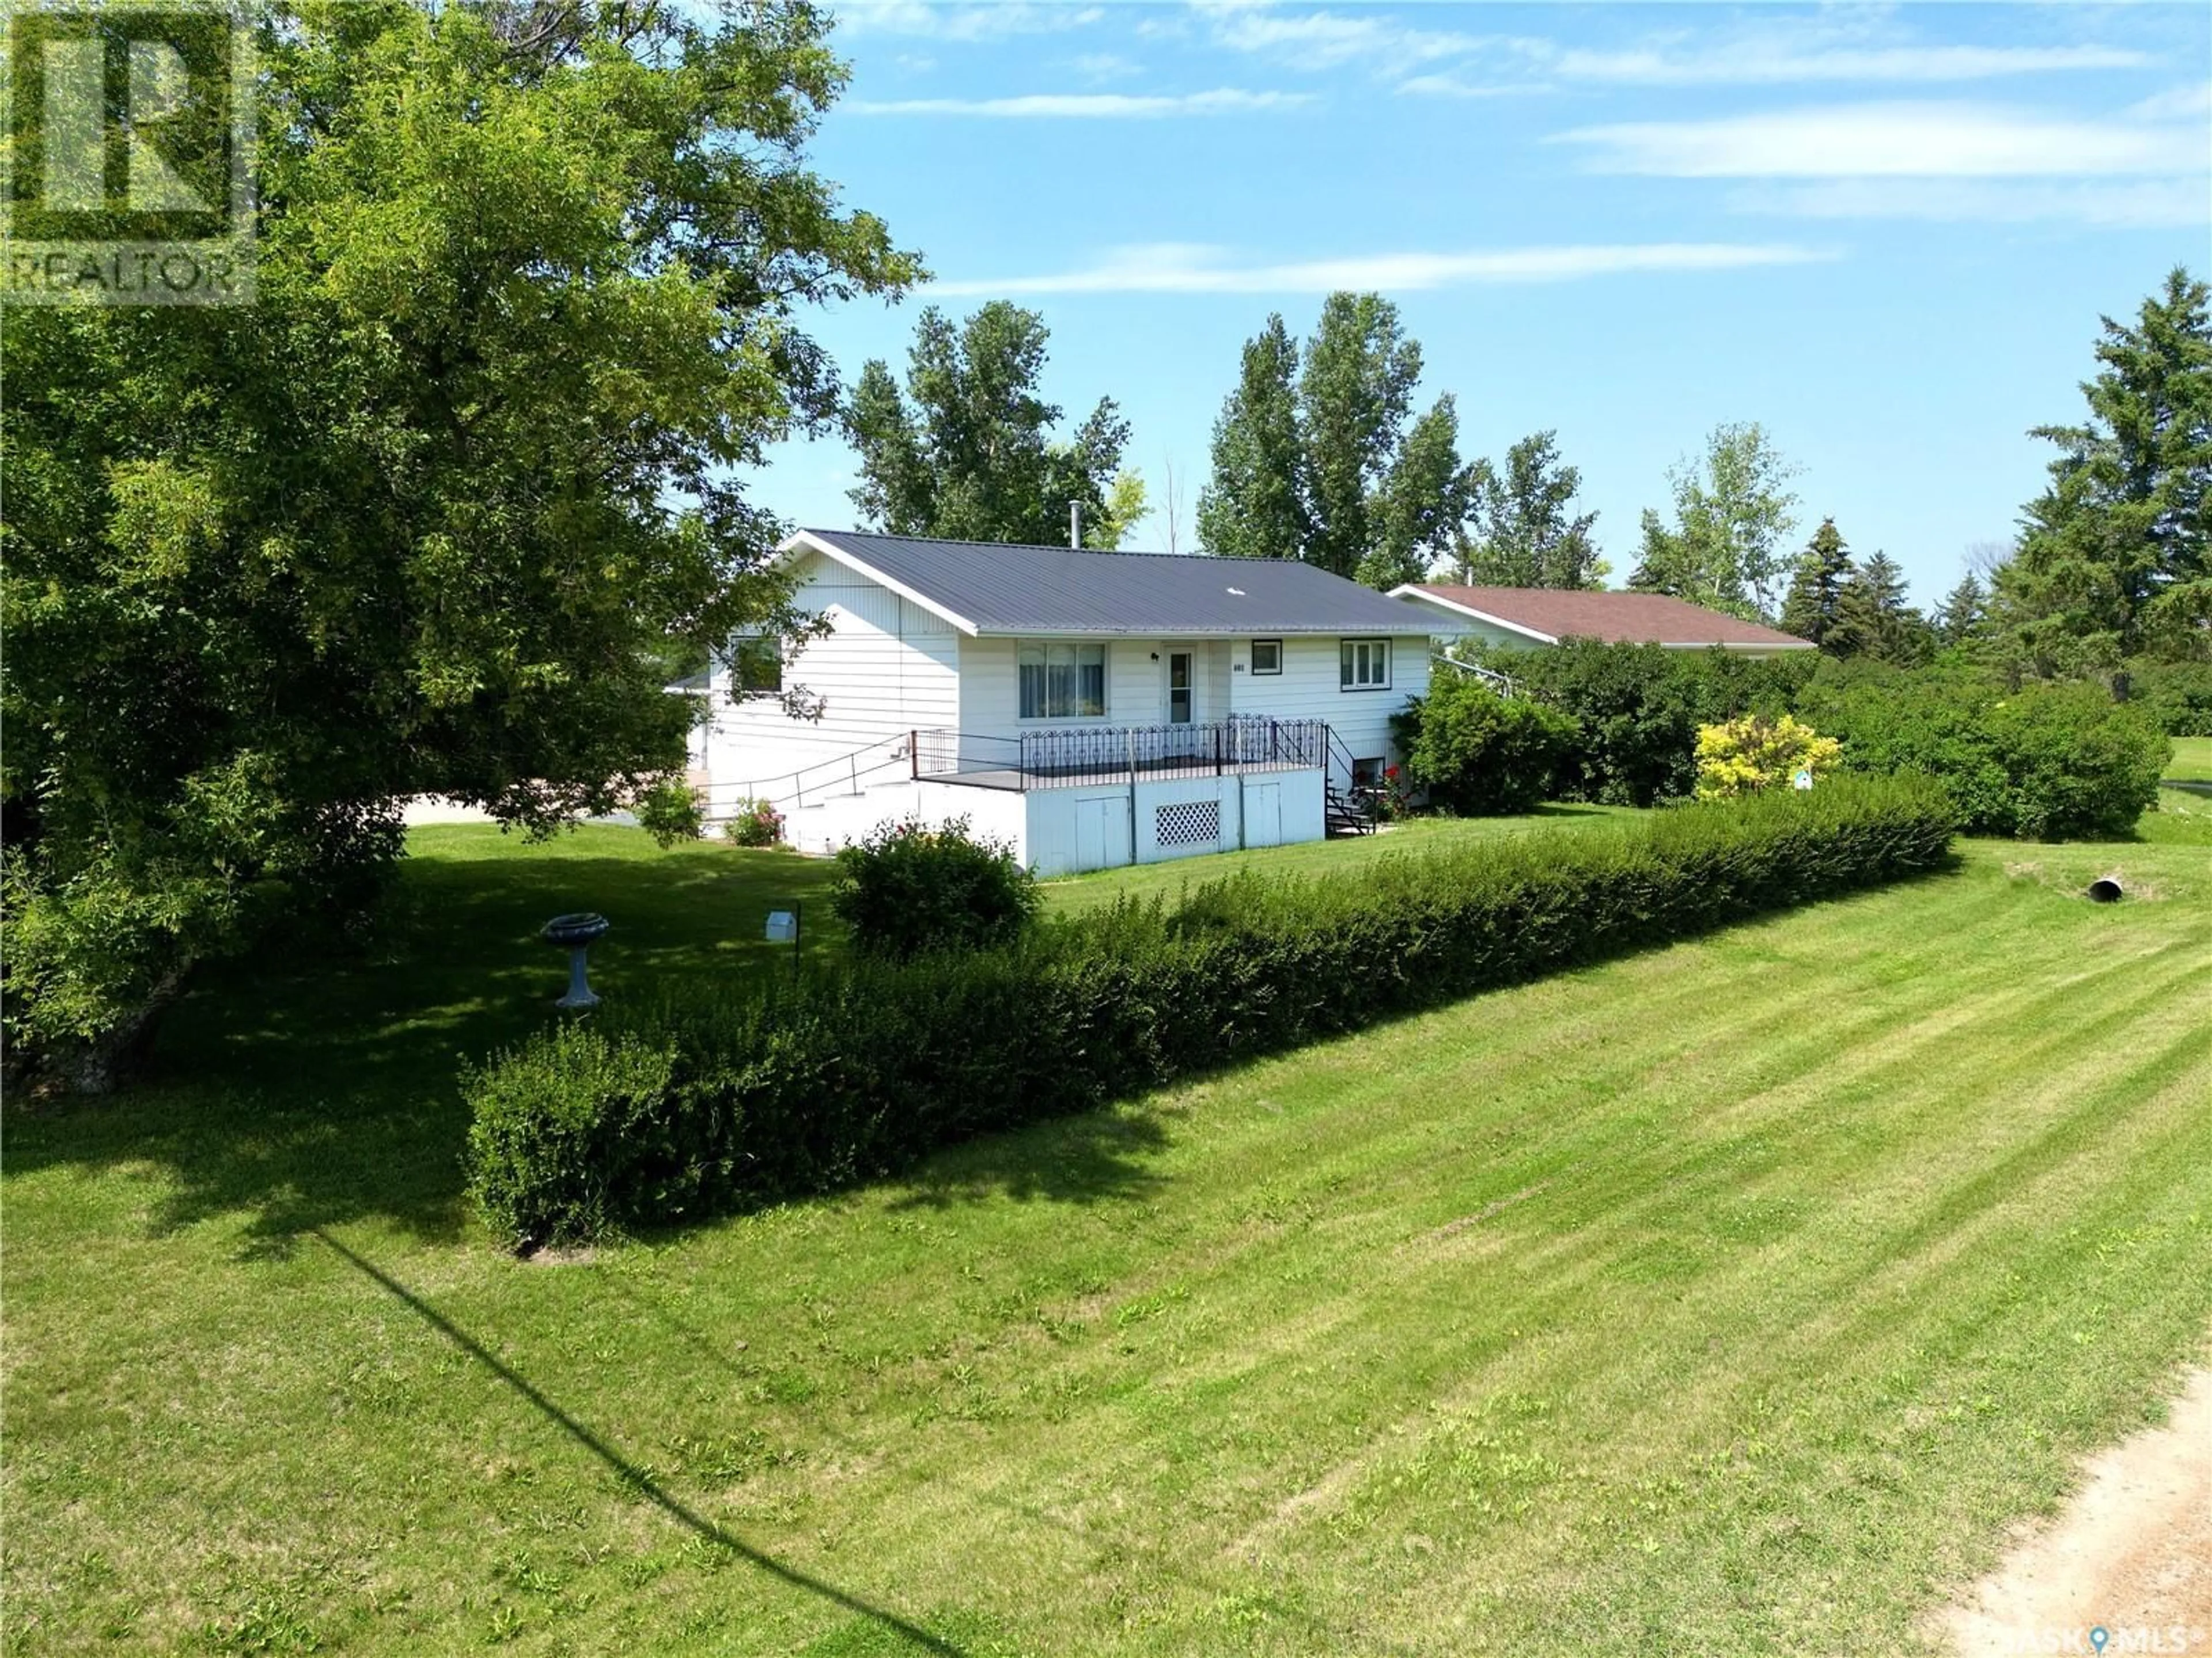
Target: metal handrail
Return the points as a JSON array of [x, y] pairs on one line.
[[1065, 755], [1503, 685], [845, 768]]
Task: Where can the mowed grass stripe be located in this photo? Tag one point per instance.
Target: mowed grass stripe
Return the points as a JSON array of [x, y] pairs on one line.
[[1728, 1299]]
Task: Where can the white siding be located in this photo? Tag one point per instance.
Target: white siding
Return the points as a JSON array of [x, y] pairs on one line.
[[1308, 688], [885, 667]]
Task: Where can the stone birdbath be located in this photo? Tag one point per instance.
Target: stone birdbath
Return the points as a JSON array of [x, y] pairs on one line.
[[575, 933]]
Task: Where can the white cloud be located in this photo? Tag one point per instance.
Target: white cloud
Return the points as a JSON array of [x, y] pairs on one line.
[[1837, 46], [964, 22], [2148, 203], [2180, 104], [1327, 39], [1453, 86], [1890, 140], [1105, 66], [1088, 105], [1754, 64], [1198, 268]]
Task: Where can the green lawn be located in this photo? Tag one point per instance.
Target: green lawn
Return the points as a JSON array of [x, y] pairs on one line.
[[1169, 880], [1732, 1298], [2192, 760]]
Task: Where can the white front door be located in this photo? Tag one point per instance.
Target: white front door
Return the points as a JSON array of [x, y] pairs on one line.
[[1181, 689]]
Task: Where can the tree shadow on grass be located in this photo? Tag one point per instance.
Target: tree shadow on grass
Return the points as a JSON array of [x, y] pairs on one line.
[[1100, 1155], [632, 1476], [310, 1085]]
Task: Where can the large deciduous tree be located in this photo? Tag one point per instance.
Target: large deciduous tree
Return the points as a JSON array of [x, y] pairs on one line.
[[1732, 515], [429, 515], [2115, 556], [1424, 500], [968, 450], [1525, 531], [1313, 457], [1355, 389], [1254, 505]]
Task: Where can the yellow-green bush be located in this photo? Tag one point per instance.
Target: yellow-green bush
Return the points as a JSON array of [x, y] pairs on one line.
[[1753, 753]]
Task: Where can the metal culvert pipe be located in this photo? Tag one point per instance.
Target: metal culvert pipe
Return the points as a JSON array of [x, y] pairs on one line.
[[2105, 889]]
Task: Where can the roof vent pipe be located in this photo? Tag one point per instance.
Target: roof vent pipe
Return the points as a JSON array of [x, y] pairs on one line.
[[1075, 524]]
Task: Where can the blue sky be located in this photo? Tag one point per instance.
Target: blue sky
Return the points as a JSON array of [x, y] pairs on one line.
[[1884, 233]]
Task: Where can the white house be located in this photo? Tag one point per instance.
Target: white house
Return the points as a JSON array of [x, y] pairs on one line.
[[1530, 617], [1091, 708]]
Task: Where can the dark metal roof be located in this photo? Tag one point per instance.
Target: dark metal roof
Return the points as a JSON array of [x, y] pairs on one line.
[[997, 588]]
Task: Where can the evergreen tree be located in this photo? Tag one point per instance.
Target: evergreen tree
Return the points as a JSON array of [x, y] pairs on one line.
[[1526, 532], [1816, 589], [1875, 618], [968, 451], [1964, 613], [1255, 506], [2113, 555]]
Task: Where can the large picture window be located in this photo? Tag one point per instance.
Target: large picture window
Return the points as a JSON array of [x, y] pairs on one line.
[[1062, 681], [1365, 666]]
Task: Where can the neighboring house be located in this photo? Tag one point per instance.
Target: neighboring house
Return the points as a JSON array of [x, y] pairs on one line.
[[1526, 617], [1091, 708]]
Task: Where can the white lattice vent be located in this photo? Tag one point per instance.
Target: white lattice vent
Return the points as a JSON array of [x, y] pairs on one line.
[[1188, 823]]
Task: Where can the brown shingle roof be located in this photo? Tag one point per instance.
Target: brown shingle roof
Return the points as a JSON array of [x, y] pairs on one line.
[[1556, 614]]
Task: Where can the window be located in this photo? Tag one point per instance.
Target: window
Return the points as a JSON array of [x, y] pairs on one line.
[[1365, 666], [1062, 681], [1266, 656], [756, 666]]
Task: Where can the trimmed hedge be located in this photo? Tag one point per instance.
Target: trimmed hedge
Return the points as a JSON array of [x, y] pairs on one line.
[[719, 1101]]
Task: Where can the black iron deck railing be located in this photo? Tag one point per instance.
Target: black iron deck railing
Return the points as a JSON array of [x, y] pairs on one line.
[[1066, 755]]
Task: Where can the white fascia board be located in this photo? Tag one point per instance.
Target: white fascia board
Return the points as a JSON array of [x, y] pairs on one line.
[[807, 541], [1415, 595], [1252, 630], [1738, 645]]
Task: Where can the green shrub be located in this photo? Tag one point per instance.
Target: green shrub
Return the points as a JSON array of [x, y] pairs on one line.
[[1639, 708], [909, 888], [1478, 753], [2176, 696], [723, 1097], [1754, 752], [755, 824], [671, 811], [575, 1132], [2046, 763]]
